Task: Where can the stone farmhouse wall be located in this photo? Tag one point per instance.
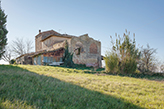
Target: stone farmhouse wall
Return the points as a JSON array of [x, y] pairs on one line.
[[52, 42], [38, 44], [26, 59], [48, 57], [86, 51], [42, 36]]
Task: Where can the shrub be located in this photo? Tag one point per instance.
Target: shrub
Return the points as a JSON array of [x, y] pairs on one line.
[[111, 62], [128, 65], [124, 55], [12, 61]]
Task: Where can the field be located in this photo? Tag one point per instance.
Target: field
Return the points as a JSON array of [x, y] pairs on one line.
[[46, 87]]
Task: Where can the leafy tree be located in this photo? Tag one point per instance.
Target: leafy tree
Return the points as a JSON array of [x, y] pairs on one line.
[[3, 32], [128, 54], [126, 47]]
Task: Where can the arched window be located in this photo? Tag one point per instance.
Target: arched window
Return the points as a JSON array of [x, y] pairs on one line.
[[79, 48]]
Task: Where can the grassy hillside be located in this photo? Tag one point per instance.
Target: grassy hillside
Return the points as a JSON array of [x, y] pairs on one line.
[[48, 87]]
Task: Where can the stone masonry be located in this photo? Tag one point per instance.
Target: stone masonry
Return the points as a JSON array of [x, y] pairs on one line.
[[85, 49]]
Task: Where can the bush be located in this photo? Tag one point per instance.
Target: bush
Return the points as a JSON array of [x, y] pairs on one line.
[[12, 61], [81, 66], [106, 58], [124, 55], [111, 62], [128, 65]]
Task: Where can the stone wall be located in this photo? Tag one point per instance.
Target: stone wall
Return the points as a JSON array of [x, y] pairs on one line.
[[86, 51], [20, 60], [53, 42], [38, 44], [50, 43], [25, 60], [49, 57]]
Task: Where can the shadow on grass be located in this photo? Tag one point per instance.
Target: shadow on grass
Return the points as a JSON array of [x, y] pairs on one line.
[[40, 91]]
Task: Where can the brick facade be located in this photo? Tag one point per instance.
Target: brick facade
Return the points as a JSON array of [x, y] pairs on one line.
[[93, 48]]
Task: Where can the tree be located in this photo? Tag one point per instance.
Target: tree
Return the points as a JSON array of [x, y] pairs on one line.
[[162, 68], [3, 32], [148, 61], [67, 58], [7, 55], [127, 53], [29, 46], [21, 47], [126, 47]]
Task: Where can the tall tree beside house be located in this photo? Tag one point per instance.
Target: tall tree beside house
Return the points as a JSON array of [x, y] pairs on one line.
[[67, 58], [66, 51], [3, 32]]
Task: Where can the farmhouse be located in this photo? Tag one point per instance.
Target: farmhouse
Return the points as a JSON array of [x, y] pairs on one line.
[[49, 49]]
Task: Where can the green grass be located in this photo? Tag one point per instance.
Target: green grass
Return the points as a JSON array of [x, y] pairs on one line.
[[46, 87], [83, 67]]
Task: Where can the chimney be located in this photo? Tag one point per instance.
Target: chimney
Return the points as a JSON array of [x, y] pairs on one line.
[[39, 31]]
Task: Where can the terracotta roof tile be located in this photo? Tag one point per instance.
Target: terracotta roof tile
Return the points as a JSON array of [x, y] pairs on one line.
[[29, 54], [45, 51]]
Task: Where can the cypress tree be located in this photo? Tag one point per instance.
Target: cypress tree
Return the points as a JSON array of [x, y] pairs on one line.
[[67, 58], [3, 31]]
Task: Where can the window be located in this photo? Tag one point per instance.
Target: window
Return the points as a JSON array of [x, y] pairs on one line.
[[79, 48], [77, 51]]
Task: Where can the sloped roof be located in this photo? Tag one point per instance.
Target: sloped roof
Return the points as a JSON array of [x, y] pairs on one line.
[[45, 51], [39, 52], [47, 34], [27, 54]]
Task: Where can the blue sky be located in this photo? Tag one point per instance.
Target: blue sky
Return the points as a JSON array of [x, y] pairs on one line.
[[99, 18]]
